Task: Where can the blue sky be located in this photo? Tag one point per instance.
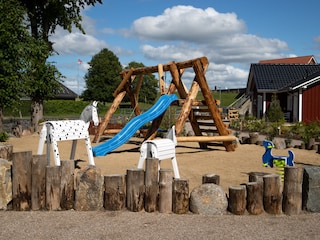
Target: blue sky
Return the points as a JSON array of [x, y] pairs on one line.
[[232, 34]]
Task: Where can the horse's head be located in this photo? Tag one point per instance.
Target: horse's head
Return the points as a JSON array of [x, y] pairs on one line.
[[90, 113], [95, 117]]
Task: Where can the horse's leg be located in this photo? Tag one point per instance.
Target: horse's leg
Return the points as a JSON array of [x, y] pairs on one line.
[[89, 151], [43, 137], [55, 149], [73, 149]]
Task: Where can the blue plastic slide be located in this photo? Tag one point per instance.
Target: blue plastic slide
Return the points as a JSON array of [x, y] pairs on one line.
[[134, 125]]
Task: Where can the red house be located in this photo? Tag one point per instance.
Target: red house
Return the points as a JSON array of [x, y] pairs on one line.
[[295, 81]]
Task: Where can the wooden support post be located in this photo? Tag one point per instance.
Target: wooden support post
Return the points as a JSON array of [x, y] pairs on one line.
[[67, 185], [237, 200], [211, 178], [151, 182], [103, 125], [38, 182], [162, 85], [53, 184], [255, 197], [211, 104], [115, 192], [21, 180], [165, 191], [125, 79], [292, 190], [272, 194], [180, 196], [135, 189]]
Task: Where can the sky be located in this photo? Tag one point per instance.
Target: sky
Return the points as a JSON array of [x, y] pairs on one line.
[[232, 34]]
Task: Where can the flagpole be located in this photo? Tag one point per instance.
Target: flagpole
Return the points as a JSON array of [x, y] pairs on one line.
[[78, 76]]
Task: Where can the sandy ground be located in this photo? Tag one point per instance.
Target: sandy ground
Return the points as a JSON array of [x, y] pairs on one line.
[[193, 163]]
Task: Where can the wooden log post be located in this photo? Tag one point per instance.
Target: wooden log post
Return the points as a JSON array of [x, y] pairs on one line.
[[135, 189], [292, 190], [53, 184], [211, 178], [21, 180], [180, 196], [152, 186], [67, 184], [38, 182], [115, 192], [165, 190], [255, 197], [272, 194], [256, 176], [237, 200]]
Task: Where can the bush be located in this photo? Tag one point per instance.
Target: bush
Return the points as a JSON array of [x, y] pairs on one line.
[[4, 136]]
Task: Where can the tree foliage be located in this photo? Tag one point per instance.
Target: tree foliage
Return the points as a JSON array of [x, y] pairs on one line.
[[103, 76], [148, 91], [45, 15], [16, 45], [274, 113]]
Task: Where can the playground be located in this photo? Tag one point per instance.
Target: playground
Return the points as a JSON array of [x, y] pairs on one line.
[[232, 167]]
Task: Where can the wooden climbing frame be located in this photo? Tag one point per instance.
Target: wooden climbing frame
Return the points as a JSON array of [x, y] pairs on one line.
[[187, 101]]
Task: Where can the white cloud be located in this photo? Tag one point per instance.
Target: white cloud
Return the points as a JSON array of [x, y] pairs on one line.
[[185, 32], [81, 44], [189, 24]]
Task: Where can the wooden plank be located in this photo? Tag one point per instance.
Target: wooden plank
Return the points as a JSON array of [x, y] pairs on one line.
[[206, 139], [166, 67]]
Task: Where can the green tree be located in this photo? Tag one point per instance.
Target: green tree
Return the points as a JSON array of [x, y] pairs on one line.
[[148, 91], [43, 16], [16, 45], [275, 113], [103, 77]]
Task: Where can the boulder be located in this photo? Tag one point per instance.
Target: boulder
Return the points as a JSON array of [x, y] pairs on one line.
[[89, 189], [208, 199], [279, 143], [311, 189], [6, 151], [5, 183]]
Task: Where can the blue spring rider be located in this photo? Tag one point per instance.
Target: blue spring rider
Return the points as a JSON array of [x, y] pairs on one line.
[[269, 160]]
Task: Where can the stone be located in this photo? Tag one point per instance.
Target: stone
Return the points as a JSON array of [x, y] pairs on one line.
[[208, 199], [279, 143], [5, 183], [311, 189], [89, 189], [6, 151]]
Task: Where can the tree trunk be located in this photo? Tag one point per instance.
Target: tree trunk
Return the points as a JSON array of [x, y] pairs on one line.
[[36, 114], [1, 118]]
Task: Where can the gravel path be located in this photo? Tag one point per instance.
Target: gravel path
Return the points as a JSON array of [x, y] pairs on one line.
[[142, 225]]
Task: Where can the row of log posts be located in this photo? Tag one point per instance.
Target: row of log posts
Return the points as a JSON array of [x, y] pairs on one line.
[[36, 186], [267, 194]]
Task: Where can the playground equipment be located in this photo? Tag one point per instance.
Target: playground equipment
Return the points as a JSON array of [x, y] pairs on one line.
[[204, 115], [270, 160], [54, 131], [132, 126], [161, 149]]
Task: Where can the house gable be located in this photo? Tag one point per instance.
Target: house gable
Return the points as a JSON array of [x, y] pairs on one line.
[[294, 60]]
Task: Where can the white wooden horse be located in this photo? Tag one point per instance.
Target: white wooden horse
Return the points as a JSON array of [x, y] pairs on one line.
[[54, 131], [161, 149]]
